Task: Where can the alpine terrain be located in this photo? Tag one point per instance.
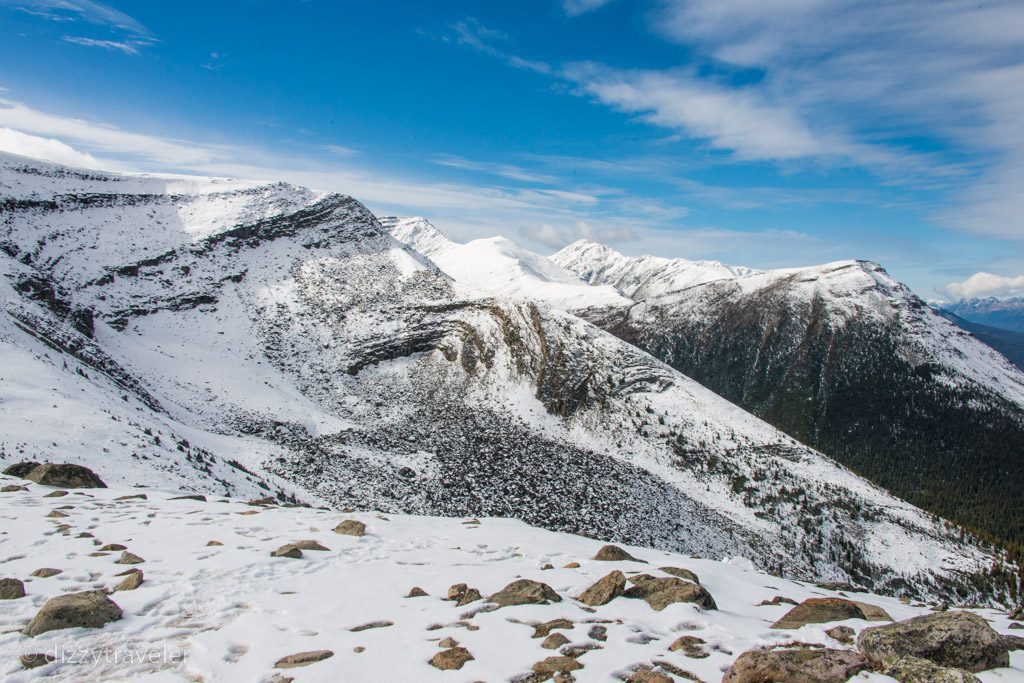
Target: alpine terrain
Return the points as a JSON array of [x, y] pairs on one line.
[[841, 357]]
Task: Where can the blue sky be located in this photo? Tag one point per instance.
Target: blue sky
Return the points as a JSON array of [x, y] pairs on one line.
[[767, 133]]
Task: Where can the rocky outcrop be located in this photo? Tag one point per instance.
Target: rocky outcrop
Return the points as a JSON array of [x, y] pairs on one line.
[[660, 592], [795, 666], [11, 589], [66, 476], [604, 590], [917, 670], [525, 592], [957, 639], [89, 609], [824, 610]]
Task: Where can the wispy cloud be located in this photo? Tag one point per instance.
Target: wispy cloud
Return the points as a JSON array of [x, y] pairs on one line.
[[130, 48], [576, 7], [950, 72], [984, 284], [509, 171], [48, 149], [85, 10]]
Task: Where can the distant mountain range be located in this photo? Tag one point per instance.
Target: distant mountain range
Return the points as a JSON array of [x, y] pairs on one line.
[[234, 337], [1006, 314]]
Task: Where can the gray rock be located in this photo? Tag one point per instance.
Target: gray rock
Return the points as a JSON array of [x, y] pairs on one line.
[[89, 609], [11, 589], [613, 553], [46, 572], [541, 630], [681, 573], [692, 646], [129, 558], [956, 639], [66, 476], [604, 590], [660, 592], [554, 641], [303, 659], [525, 592], [844, 634], [795, 666], [130, 582], [451, 659], [20, 469], [310, 544], [820, 611], [556, 664], [287, 550], [351, 527], [917, 670]]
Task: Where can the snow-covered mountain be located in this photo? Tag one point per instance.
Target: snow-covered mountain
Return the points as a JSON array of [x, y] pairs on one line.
[[236, 337], [845, 358], [498, 267], [1007, 314]]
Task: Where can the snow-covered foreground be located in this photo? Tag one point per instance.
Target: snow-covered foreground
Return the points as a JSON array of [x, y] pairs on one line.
[[229, 612]]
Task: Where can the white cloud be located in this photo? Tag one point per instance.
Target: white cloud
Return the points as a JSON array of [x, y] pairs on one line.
[[93, 12], [47, 149], [129, 48], [948, 72], [576, 7], [984, 284], [555, 238]]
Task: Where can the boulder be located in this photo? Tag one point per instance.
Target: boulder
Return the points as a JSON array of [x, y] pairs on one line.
[[613, 553], [956, 639], [192, 496], [648, 675], [598, 633], [604, 590], [917, 670], [844, 634], [20, 469], [456, 591], [820, 611], [660, 592], [46, 572], [351, 527], [130, 582], [795, 666], [287, 550], [416, 592], [309, 544], [448, 642], [129, 558], [111, 547], [541, 630], [692, 646], [89, 609], [525, 592], [556, 664], [777, 600], [36, 660], [471, 595], [302, 659], [11, 488], [66, 476], [554, 641], [451, 659], [11, 589], [874, 612]]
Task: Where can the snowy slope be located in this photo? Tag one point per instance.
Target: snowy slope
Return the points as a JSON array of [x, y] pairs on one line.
[[229, 612], [496, 266], [847, 359], [305, 352], [640, 277]]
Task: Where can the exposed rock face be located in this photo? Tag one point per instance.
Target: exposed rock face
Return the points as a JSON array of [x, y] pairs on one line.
[[955, 639], [660, 592], [11, 589], [613, 553], [66, 476], [303, 659], [20, 469], [89, 609], [525, 592], [604, 590], [451, 659], [917, 670], [351, 527], [820, 611], [681, 573], [795, 666]]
